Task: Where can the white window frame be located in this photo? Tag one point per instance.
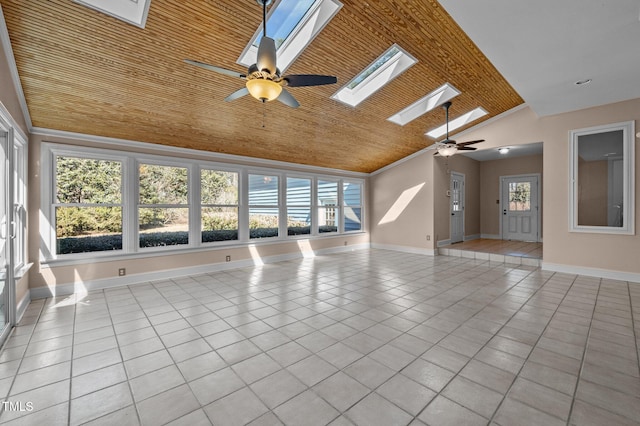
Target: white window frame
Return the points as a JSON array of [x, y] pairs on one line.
[[189, 205], [344, 206], [198, 196], [309, 206], [282, 221], [628, 210], [130, 191], [48, 202], [20, 204]]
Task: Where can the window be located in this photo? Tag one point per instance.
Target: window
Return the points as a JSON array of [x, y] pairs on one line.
[[328, 208], [352, 206], [263, 206], [219, 205], [163, 209], [87, 204], [107, 203], [602, 179], [456, 123], [131, 11], [298, 206], [393, 62], [519, 196], [293, 24], [436, 98]]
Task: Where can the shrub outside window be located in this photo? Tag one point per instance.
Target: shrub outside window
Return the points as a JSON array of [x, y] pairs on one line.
[[263, 206], [163, 210], [87, 205], [219, 205]]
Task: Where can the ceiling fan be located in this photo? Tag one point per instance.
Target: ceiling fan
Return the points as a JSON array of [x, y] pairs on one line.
[[448, 147], [264, 81]]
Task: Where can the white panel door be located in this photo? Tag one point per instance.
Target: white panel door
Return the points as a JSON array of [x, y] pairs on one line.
[[456, 198], [520, 212]]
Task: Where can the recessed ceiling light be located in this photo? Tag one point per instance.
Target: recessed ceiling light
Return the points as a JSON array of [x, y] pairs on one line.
[[503, 150], [585, 81]]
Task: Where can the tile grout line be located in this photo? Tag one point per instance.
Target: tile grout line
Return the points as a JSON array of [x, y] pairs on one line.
[[529, 355], [584, 353], [15, 376], [483, 346], [633, 324]]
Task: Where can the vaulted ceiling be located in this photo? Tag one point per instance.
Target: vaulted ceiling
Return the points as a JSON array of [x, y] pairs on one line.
[[86, 72]]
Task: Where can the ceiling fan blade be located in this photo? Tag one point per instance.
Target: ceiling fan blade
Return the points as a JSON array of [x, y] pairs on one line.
[[288, 99], [214, 68], [267, 55], [237, 94], [466, 148], [299, 80], [470, 142]]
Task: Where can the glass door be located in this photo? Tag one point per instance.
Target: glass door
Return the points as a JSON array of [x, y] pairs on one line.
[[6, 269]]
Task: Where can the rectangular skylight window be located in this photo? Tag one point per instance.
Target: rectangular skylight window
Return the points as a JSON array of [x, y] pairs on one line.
[[131, 11], [293, 24], [434, 99], [393, 62], [463, 120]]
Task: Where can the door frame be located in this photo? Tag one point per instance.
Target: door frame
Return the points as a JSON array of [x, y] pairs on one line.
[[9, 290], [537, 176], [462, 202]]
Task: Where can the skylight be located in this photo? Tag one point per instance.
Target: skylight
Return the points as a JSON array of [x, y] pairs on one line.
[[393, 62], [463, 120], [293, 24], [423, 105], [131, 11]]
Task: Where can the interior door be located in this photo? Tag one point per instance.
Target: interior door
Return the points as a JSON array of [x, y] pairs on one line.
[[520, 212], [456, 198]]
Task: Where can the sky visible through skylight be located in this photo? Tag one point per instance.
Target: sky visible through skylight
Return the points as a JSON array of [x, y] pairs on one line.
[[284, 19], [373, 67]]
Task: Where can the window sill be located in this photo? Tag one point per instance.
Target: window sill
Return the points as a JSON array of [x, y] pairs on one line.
[[99, 257]]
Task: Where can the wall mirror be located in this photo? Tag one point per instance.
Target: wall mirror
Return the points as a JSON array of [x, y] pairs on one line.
[[602, 179]]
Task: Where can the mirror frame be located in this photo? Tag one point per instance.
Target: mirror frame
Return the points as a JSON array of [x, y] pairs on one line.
[[628, 163]]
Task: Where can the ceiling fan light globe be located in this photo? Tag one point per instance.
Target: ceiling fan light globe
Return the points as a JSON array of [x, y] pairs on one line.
[[264, 90], [447, 150]]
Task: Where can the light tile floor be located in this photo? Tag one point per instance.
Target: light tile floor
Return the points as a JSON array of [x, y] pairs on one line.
[[370, 337]]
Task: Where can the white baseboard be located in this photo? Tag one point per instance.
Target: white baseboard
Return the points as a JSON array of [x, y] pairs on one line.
[[443, 243], [491, 236], [405, 249], [22, 306], [592, 272], [100, 284], [471, 237]]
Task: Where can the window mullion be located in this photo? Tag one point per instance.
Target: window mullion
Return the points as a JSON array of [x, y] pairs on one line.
[[129, 208], [194, 200]]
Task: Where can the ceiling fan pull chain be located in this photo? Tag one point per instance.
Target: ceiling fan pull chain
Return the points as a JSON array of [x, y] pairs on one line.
[[264, 112]]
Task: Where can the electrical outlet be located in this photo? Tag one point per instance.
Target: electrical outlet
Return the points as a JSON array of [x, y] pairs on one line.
[[122, 272], [228, 258], [428, 237]]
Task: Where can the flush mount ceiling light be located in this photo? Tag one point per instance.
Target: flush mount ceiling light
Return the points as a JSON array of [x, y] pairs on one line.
[[503, 151], [583, 82]]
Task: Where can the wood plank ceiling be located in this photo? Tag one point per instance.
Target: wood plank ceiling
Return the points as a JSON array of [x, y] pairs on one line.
[[86, 72]]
